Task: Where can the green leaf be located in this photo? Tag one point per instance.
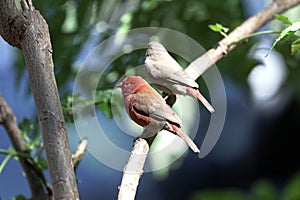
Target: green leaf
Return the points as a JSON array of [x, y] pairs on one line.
[[19, 197], [13, 153], [101, 99], [41, 163], [26, 126], [149, 5], [219, 28], [105, 108], [286, 34], [34, 143], [283, 19], [295, 46], [225, 29], [32, 139], [117, 105], [103, 96], [4, 162]]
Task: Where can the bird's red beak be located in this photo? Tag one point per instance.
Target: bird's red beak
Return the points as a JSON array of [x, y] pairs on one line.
[[119, 85]]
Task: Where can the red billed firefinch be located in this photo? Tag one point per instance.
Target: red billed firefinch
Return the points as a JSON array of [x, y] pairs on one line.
[[148, 109]]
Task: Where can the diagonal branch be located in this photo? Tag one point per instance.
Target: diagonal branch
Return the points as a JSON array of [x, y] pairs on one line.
[[226, 45], [8, 120], [199, 66]]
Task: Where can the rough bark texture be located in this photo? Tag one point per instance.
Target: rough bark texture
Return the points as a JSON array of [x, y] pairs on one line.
[[33, 175], [28, 30]]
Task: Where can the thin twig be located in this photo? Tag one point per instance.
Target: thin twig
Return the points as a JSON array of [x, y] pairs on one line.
[[238, 41], [207, 60], [34, 178], [15, 154], [80, 150]]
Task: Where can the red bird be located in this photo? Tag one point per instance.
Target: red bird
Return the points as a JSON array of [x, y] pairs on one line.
[[148, 109]]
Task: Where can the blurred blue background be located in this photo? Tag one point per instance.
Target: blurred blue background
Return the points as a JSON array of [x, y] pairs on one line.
[[260, 139]]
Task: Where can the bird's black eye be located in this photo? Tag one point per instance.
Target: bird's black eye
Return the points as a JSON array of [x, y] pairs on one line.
[[127, 83]]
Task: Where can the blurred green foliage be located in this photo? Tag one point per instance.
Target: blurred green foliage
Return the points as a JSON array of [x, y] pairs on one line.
[[229, 194], [35, 154], [19, 197], [289, 33], [101, 99], [34, 145], [260, 190], [291, 191], [74, 22]]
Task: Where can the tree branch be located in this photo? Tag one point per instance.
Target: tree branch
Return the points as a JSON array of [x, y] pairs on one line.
[[80, 150], [33, 176], [199, 66], [133, 170], [28, 30], [226, 45]]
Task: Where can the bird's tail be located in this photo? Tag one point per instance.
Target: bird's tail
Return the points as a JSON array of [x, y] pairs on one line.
[[195, 93], [185, 137]]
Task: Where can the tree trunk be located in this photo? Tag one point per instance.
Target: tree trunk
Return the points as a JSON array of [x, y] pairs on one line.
[[27, 30]]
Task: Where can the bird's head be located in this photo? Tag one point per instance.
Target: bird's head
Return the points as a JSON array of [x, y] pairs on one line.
[[155, 48], [131, 84]]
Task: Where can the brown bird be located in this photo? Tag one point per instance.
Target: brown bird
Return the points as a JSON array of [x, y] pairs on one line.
[[167, 75], [148, 109]]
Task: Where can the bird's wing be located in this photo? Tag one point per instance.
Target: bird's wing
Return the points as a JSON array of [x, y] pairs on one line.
[[165, 69], [154, 107], [167, 74], [182, 78]]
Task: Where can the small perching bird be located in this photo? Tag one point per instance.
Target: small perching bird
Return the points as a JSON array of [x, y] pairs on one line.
[[167, 75], [148, 109]]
